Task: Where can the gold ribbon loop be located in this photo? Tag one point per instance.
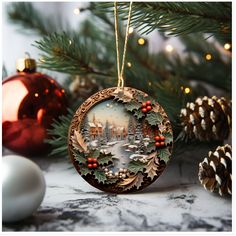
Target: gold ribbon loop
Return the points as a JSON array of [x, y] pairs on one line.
[[120, 70]]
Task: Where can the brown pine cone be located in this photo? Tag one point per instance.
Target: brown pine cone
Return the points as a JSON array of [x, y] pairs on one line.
[[206, 119], [215, 172]]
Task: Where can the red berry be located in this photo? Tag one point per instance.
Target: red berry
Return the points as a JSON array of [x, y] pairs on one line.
[[148, 102], [162, 138], [95, 165], [90, 166], [157, 138], [144, 110], [149, 108], [90, 159], [162, 144], [158, 144], [94, 160], [144, 104]]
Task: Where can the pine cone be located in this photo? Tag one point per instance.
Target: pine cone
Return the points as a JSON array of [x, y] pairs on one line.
[[206, 119], [215, 172]]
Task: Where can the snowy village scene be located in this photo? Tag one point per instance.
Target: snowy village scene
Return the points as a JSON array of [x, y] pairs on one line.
[[111, 129]]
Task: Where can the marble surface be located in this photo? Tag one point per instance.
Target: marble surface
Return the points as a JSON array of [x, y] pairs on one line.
[[175, 202]]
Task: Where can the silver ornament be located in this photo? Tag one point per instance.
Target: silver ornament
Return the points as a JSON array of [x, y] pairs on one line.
[[23, 188]]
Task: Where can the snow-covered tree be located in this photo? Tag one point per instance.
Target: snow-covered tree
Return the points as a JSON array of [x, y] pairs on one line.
[[138, 131], [85, 130], [139, 137], [131, 129], [107, 133], [99, 140]]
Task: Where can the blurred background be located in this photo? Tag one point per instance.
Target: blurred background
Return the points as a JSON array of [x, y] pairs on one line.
[[15, 40]]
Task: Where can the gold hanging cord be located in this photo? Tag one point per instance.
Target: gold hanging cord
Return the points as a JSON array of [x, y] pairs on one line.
[[120, 71]]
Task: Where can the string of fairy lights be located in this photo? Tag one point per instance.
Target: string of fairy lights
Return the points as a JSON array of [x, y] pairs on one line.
[[168, 48]]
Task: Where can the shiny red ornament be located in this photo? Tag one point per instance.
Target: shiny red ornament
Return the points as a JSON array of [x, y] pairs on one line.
[[30, 102]]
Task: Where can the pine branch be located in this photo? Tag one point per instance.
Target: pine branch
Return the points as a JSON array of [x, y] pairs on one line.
[[29, 18], [138, 55], [60, 58], [68, 54], [59, 134], [176, 18]]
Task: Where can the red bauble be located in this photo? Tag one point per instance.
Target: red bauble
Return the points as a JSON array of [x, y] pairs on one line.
[[31, 101]]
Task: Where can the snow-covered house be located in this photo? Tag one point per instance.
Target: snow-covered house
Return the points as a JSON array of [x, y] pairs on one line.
[[121, 132], [108, 131], [95, 128]]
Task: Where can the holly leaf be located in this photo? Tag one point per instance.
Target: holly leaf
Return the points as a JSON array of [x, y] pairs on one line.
[[133, 105], [78, 142], [142, 99], [80, 158], [84, 170], [139, 114], [100, 176], [164, 154], [111, 181], [104, 158], [136, 166], [154, 118], [151, 147], [168, 137], [122, 95], [152, 166], [133, 181], [95, 153]]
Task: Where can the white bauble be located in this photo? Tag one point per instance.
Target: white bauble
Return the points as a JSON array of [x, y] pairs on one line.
[[23, 188]]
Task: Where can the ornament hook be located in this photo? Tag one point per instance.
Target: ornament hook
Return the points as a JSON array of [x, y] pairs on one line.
[[27, 55]]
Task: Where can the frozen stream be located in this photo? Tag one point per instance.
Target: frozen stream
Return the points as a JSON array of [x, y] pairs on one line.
[[119, 152]]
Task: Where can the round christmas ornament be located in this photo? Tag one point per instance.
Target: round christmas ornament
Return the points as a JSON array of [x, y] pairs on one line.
[[31, 100], [215, 171], [120, 140], [23, 188]]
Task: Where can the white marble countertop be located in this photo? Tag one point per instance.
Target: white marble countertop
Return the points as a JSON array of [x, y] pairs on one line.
[[175, 202]]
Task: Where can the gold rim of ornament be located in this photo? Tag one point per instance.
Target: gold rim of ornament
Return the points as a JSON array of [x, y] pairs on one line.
[[74, 135]]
